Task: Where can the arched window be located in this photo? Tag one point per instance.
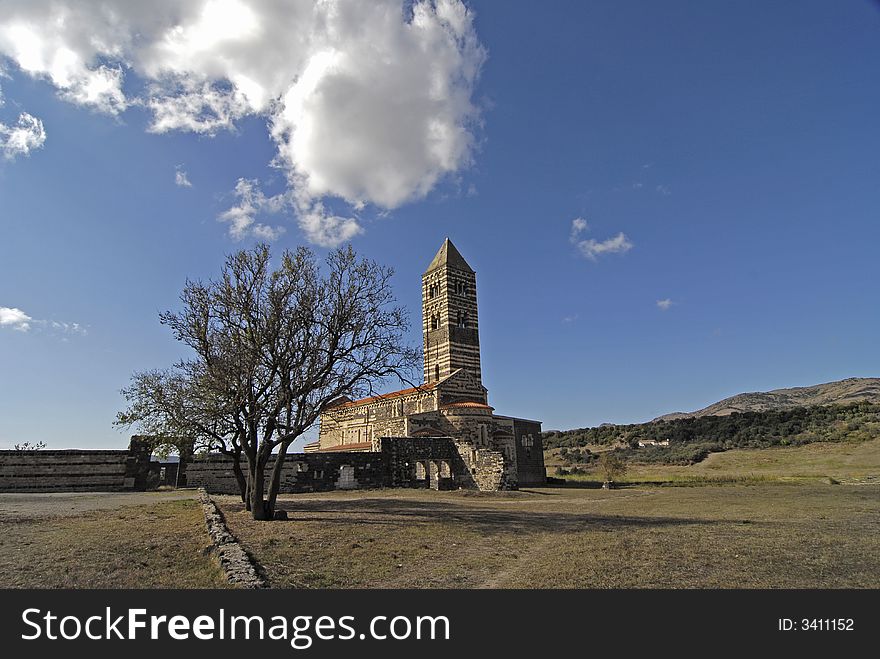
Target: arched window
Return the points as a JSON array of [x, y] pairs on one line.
[[436, 371], [462, 319], [435, 321]]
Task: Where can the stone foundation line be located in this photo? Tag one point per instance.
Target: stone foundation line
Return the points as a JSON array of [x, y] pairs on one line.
[[240, 569]]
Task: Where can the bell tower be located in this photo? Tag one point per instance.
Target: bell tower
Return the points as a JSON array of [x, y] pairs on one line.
[[449, 316]]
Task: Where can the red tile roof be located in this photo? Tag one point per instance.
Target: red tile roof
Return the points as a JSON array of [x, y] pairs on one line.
[[467, 403], [428, 386], [361, 446]]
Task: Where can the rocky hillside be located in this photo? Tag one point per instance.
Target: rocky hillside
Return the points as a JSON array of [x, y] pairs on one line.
[[842, 392]]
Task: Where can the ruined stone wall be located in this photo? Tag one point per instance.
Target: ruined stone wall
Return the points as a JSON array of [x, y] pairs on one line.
[[403, 454], [490, 460], [77, 470], [445, 464], [302, 472], [529, 449], [490, 471]]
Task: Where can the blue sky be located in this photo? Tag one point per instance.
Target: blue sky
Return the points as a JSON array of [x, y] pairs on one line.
[[733, 145]]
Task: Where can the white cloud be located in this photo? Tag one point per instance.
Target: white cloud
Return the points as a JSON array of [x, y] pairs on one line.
[[22, 138], [664, 305], [592, 248], [251, 203], [196, 107], [663, 190], [578, 225], [181, 180], [68, 328], [15, 319], [59, 42], [619, 244], [325, 228], [368, 103]]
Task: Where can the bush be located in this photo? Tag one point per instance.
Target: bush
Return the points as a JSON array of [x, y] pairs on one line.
[[613, 465]]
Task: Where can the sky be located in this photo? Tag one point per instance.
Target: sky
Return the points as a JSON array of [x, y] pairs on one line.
[[665, 203]]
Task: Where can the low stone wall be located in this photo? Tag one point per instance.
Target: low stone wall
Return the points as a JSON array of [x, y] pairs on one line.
[[237, 564], [75, 470]]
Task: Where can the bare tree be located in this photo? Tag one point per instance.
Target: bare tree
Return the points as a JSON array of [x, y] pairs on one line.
[[30, 446], [272, 349]]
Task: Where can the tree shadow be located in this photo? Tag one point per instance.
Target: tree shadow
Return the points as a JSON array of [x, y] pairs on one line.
[[484, 519]]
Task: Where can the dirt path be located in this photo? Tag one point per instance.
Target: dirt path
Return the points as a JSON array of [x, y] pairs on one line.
[[497, 580]]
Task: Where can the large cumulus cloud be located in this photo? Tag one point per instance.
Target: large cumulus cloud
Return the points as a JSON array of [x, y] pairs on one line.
[[369, 103]]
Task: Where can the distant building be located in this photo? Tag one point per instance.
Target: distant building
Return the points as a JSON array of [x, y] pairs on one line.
[[652, 442], [452, 402]]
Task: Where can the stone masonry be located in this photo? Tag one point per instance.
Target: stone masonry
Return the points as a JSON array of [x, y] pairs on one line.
[[439, 463]]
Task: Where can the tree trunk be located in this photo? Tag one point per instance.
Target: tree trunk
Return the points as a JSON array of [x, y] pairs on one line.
[[258, 505], [251, 465], [275, 482], [240, 477]]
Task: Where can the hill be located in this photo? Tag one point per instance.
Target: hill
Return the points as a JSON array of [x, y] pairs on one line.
[[691, 439], [842, 392]]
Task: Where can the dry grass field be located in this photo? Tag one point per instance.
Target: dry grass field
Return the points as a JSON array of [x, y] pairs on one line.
[[158, 545], [774, 518], [733, 536]]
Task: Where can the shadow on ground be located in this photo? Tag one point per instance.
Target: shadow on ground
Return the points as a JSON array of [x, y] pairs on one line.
[[385, 512]]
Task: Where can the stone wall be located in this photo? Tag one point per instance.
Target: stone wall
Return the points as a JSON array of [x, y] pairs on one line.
[[76, 470], [436, 462], [302, 472], [412, 461], [489, 471], [529, 452]]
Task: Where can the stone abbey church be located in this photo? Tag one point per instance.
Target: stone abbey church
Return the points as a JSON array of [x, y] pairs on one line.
[[452, 403]]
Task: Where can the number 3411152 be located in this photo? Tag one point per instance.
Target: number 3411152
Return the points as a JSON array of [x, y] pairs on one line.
[[817, 624]]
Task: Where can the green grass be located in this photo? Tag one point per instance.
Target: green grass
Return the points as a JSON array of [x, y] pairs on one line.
[[151, 546]]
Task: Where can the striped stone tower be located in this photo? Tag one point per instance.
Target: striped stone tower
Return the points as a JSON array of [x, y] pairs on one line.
[[449, 316]]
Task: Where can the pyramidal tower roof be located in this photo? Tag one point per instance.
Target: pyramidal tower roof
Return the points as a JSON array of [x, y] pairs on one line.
[[450, 257]]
